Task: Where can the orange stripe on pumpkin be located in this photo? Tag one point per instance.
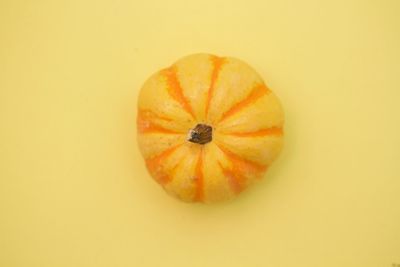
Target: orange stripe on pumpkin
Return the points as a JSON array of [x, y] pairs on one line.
[[155, 167], [166, 178], [217, 65], [257, 92], [236, 174], [236, 179], [242, 163], [175, 90], [149, 114], [276, 131], [199, 178], [145, 123]]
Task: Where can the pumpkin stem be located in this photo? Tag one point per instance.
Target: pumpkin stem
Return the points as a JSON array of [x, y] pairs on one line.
[[201, 134]]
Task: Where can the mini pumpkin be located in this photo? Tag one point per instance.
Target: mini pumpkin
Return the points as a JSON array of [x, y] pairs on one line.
[[208, 127]]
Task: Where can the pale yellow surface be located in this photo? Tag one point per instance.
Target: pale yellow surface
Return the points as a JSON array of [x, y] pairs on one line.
[[73, 187]]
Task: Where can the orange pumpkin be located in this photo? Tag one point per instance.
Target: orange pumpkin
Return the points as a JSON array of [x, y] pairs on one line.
[[208, 127]]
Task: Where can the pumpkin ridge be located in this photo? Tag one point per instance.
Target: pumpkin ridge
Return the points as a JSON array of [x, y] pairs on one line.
[[217, 66], [169, 177], [257, 92], [272, 131], [175, 90], [240, 161], [147, 113], [146, 125], [199, 178], [153, 164], [235, 178]]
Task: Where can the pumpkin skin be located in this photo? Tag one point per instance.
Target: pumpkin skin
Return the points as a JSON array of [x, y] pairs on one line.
[[227, 96]]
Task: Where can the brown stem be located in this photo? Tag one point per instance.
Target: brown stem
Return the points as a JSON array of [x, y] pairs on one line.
[[201, 134]]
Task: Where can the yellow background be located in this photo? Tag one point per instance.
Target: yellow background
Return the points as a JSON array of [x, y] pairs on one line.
[[74, 190]]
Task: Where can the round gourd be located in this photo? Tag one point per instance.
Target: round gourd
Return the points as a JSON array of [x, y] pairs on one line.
[[208, 127]]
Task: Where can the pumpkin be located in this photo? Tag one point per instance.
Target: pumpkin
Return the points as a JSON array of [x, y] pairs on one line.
[[208, 127]]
